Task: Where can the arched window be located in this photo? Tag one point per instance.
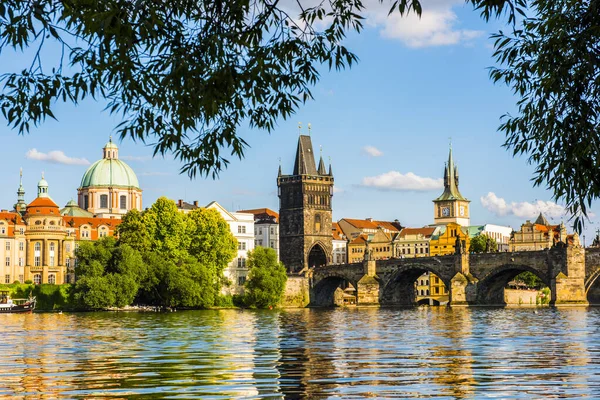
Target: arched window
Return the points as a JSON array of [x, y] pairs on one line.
[[37, 279], [52, 279], [37, 246], [52, 247], [317, 223]]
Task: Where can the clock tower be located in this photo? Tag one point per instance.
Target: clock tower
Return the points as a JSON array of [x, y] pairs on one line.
[[451, 206]]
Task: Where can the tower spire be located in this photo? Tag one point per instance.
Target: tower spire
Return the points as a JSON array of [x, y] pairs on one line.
[[21, 205], [322, 170]]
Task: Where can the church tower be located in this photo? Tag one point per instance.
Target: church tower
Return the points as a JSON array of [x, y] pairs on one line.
[[451, 206], [305, 238]]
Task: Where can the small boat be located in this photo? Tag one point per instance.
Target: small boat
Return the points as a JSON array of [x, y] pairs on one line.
[[8, 305]]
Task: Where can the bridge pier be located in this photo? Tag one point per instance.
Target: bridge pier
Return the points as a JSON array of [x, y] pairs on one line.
[[568, 289], [367, 288], [463, 286]]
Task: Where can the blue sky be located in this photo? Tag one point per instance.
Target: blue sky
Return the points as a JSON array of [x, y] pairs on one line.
[[418, 83]]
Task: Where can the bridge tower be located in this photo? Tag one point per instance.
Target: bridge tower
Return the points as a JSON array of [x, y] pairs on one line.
[[451, 206], [305, 238]]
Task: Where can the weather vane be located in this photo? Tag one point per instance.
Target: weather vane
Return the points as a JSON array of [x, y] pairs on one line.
[[309, 127], [300, 128]]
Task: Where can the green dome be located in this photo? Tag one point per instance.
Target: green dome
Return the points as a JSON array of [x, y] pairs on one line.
[[109, 172]]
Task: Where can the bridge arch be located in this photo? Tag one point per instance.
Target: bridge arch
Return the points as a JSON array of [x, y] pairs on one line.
[[400, 286], [490, 288], [592, 288], [333, 290]]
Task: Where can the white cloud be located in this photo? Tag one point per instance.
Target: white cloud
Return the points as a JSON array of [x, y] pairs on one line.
[[394, 180], [372, 151], [523, 209], [337, 190], [437, 26], [55, 157], [136, 158]]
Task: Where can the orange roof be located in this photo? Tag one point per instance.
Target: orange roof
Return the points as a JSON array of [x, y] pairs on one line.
[[417, 231], [336, 231], [42, 206], [12, 217], [93, 222], [360, 240], [258, 212], [372, 224]]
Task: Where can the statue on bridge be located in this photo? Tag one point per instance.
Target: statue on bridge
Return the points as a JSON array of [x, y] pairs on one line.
[[459, 246], [368, 252]]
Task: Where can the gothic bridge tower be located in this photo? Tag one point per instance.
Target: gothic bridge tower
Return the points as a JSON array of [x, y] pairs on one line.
[[305, 238]]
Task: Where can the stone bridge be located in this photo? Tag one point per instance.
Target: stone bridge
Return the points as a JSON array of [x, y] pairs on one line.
[[571, 273]]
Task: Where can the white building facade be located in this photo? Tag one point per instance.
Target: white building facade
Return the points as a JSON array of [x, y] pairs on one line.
[[501, 234], [266, 228], [242, 227]]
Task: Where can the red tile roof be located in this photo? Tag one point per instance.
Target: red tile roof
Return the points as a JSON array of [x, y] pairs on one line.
[[260, 213], [93, 222], [417, 231], [359, 240], [336, 231], [373, 224], [12, 217]]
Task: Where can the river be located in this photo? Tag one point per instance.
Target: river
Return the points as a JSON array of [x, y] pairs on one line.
[[308, 353]]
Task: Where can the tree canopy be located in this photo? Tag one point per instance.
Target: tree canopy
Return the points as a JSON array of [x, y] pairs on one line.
[[186, 74], [162, 258], [483, 244], [266, 278]]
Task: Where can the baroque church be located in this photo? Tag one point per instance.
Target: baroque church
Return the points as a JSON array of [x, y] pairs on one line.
[[305, 211], [39, 238]]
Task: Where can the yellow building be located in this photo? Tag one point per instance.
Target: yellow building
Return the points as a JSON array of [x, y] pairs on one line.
[[445, 242], [414, 242], [430, 289], [378, 245], [538, 235]]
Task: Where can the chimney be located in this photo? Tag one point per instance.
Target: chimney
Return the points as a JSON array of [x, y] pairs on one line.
[[180, 203], [4, 211], [195, 203], [369, 219]]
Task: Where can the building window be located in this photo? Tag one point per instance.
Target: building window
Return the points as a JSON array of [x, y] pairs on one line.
[[260, 231], [37, 279], [3, 230], [52, 279], [21, 278], [241, 245], [272, 244], [241, 262], [20, 261], [272, 231], [241, 280], [68, 247], [7, 261], [317, 223], [103, 201], [7, 245], [68, 262], [123, 202], [21, 231], [241, 229], [86, 203], [21, 246], [7, 278]]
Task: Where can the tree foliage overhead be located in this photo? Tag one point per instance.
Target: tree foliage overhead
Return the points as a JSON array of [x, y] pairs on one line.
[[184, 74], [551, 60]]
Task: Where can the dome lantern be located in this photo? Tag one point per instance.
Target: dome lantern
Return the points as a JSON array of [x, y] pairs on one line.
[[43, 187], [110, 150]]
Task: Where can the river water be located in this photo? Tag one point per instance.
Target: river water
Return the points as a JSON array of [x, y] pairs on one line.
[[306, 353]]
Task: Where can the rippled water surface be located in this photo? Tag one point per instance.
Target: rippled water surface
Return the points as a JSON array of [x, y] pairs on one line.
[[341, 353]]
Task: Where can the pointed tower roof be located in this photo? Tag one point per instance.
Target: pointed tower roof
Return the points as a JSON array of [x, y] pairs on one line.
[[451, 191], [305, 158], [541, 220], [322, 170]]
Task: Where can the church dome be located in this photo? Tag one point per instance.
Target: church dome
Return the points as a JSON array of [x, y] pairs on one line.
[[110, 171]]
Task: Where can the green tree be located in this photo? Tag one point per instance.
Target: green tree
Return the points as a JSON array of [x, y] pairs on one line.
[[266, 278], [167, 228], [530, 279], [483, 244], [107, 275], [132, 231]]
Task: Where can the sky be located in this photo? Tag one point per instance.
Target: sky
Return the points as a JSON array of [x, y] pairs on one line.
[[386, 124]]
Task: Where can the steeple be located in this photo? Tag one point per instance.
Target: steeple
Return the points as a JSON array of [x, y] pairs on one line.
[[541, 220], [21, 205], [322, 170], [330, 170], [451, 191], [305, 159], [279, 173]]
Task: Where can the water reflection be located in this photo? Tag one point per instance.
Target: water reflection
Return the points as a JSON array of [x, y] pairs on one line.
[[342, 353]]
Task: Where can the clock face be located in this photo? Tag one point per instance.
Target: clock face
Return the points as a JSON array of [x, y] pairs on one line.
[[462, 211], [445, 211]]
